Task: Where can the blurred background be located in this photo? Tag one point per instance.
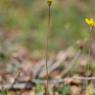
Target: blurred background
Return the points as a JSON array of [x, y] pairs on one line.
[[25, 22]]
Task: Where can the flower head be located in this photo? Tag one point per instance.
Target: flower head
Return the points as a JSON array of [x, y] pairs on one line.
[[50, 2], [90, 22]]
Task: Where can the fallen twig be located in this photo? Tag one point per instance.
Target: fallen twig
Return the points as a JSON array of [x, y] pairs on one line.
[[31, 84]]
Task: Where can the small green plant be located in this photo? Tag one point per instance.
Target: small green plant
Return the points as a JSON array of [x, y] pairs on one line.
[[39, 89], [65, 90], [4, 92], [92, 67]]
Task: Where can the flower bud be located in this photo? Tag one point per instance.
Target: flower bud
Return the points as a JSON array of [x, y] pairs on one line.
[[50, 2]]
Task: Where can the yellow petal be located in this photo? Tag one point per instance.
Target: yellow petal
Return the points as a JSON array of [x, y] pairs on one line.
[[87, 21], [92, 22]]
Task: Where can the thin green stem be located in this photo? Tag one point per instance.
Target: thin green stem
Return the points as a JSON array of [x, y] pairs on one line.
[[46, 47], [90, 40], [89, 51], [89, 45]]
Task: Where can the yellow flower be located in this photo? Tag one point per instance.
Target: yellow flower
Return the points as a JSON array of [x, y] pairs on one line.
[[50, 2], [90, 22]]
